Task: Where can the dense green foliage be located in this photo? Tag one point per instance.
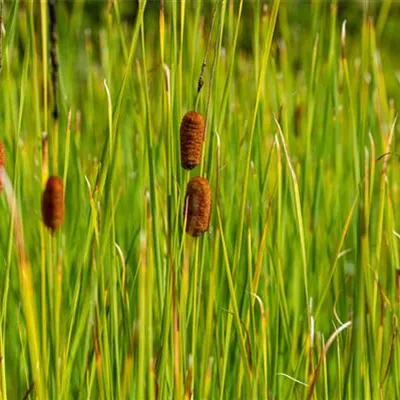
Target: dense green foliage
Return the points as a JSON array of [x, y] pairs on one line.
[[293, 292]]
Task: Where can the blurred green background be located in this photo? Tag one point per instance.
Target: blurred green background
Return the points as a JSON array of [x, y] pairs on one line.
[[386, 15]]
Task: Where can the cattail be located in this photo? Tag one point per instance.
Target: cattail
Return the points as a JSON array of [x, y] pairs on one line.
[[53, 203], [192, 135], [2, 162], [197, 206]]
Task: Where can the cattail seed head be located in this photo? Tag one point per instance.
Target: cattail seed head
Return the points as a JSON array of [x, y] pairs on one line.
[[53, 203], [192, 136], [197, 206], [2, 161]]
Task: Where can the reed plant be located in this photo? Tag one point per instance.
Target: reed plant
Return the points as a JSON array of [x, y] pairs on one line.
[[291, 291]]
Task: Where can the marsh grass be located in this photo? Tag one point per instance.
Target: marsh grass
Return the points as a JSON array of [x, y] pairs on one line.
[[294, 290]]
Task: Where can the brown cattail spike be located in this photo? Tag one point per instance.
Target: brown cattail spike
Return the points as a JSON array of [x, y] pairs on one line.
[[53, 204], [192, 136], [2, 161], [197, 206]]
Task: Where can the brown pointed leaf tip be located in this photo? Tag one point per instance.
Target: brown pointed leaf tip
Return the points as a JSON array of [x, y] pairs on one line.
[[197, 206], [192, 136], [2, 161], [53, 204]]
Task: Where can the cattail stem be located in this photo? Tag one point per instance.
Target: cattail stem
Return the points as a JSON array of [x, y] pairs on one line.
[[54, 77], [2, 163], [56, 265], [54, 55], [45, 158], [195, 295], [43, 298], [43, 17], [200, 82], [1, 37], [50, 312]]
